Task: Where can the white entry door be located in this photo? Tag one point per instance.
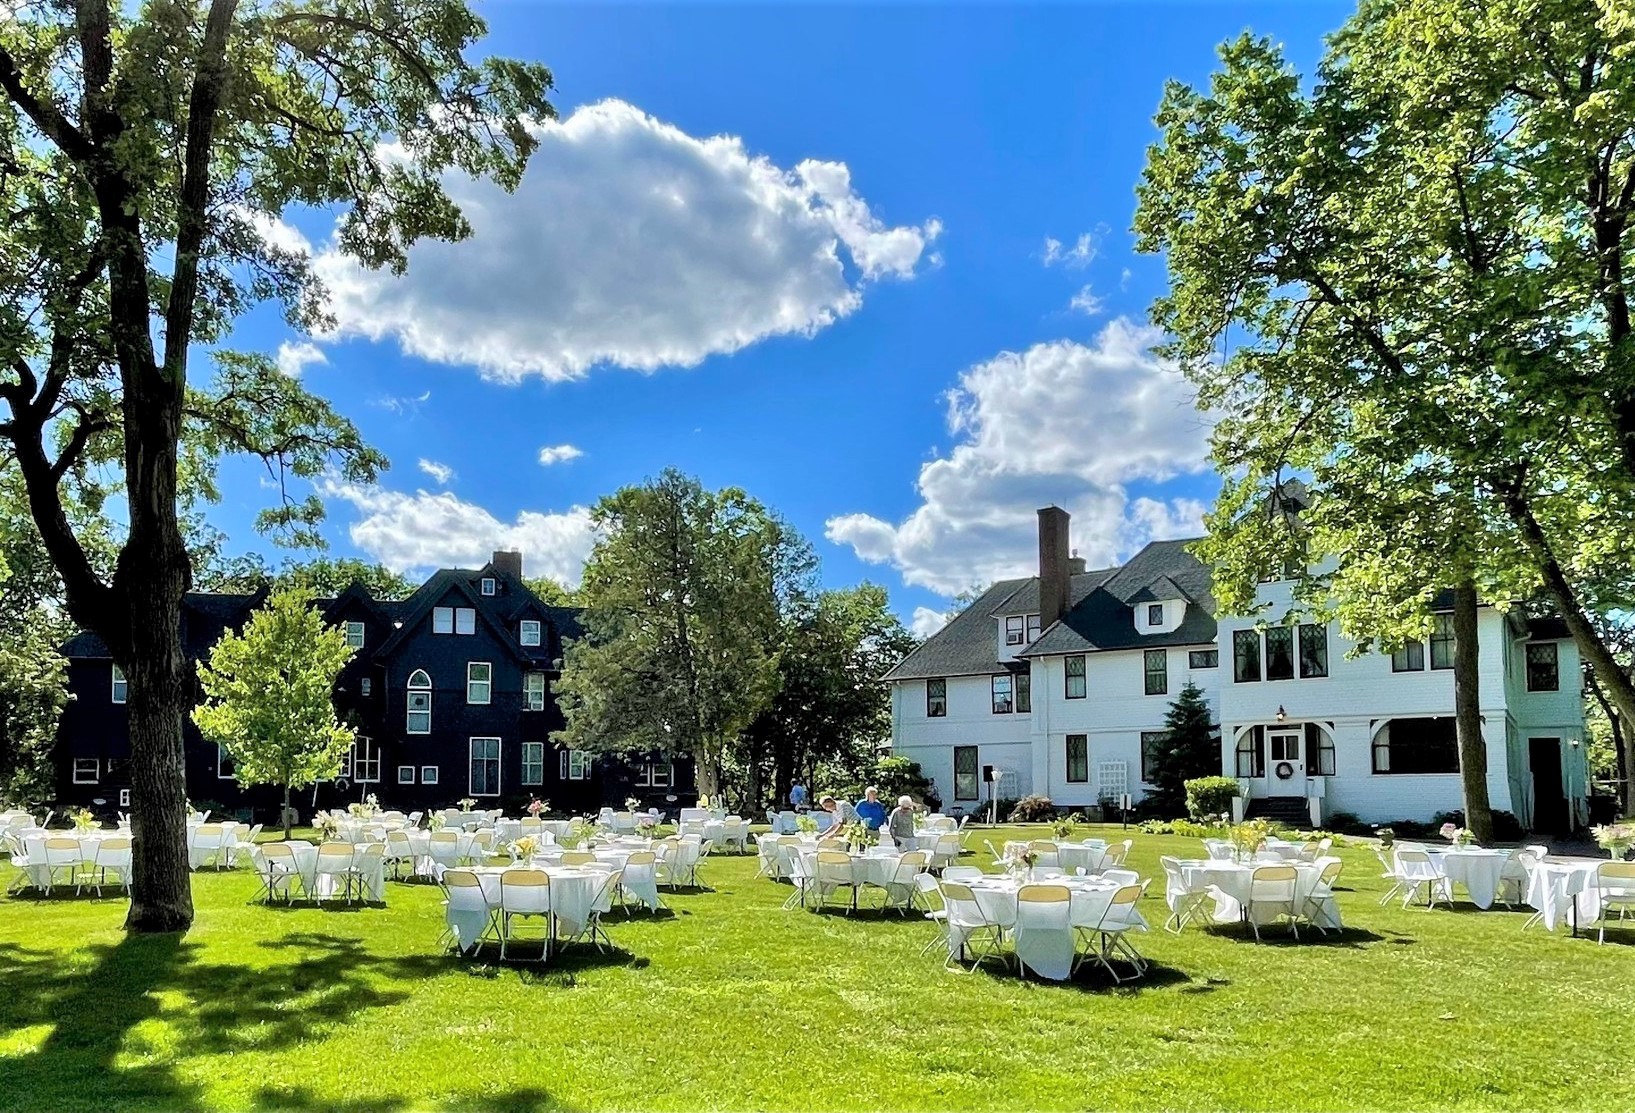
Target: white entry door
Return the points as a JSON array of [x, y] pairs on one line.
[[1285, 754]]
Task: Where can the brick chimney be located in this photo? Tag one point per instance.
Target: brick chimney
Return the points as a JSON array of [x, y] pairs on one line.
[[508, 561], [1054, 564]]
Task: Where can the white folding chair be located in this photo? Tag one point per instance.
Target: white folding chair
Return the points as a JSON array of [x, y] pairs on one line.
[[62, 861], [1118, 919], [113, 856], [592, 929], [368, 868], [1185, 903], [399, 849], [1114, 858], [523, 894], [335, 864], [925, 885], [1218, 850], [1389, 873], [1314, 909], [640, 881], [1615, 886], [277, 869], [900, 886], [970, 929], [1272, 897], [1420, 873], [443, 848], [204, 845], [1043, 938], [766, 847], [962, 873], [1529, 861], [463, 903], [243, 846], [834, 873], [1045, 853]]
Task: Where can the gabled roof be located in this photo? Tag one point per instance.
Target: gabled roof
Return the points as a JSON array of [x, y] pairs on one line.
[[1105, 620], [355, 593], [432, 593], [966, 646], [1025, 599], [1160, 590]]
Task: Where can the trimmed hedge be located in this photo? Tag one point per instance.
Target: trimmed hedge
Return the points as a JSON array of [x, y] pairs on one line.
[[1210, 796]]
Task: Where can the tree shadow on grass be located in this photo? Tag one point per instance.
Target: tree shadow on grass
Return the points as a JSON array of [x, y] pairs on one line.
[[122, 1023], [300, 1099], [1351, 937]]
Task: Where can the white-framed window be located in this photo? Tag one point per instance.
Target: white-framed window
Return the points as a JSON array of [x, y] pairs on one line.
[[529, 632], [405, 774], [533, 763], [124, 797], [226, 769], [365, 761], [485, 767], [1014, 625], [1155, 614], [465, 620], [575, 765], [442, 620], [419, 718], [656, 774], [365, 686], [354, 635], [1033, 628], [533, 691], [86, 770], [488, 585], [479, 682], [428, 774], [120, 688]]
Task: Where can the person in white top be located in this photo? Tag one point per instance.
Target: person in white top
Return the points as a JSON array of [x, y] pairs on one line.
[[844, 814], [901, 824]]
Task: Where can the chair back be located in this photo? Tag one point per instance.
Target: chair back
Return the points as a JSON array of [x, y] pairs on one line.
[[961, 873], [525, 891], [1617, 878], [1218, 849], [252, 834], [279, 855], [1273, 884], [368, 854], [1114, 856], [62, 852], [1175, 883], [1120, 877], [465, 891], [398, 844], [963, 910], [1329, 871], [1120, 911], [577, 858], [333, 857]]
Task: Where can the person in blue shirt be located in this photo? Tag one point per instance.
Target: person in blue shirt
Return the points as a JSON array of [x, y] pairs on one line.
[[797, 796], [870, 810]]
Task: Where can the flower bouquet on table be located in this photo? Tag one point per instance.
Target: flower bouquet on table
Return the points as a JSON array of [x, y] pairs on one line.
[[858, 837], [580, 832], [467, 804], [537, 807], [84, 822], [435, 822], [1019, 858], [645, 827], [631, 804], [1616, 838], [1458, 837], [806, 825], [524, 848], [1249, 837], [328, 826], [1061, 828]]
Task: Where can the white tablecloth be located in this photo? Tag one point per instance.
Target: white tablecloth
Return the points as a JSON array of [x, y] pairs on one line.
[[322, 887], [1558, 890], [874, 867], [574, 893], [1479, 871], [199, 852], [1050, 953], [1231, 883]]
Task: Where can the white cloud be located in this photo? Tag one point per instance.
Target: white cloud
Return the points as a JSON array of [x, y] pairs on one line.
[[635, 244], [1079, 255], [1062, 423], [559, 454], [437, 530], [292, 359], [927, 622], [442, 473], [1086, 302], [405, 404]]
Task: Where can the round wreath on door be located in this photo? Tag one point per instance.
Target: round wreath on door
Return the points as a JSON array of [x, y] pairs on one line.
[[1284, 770]]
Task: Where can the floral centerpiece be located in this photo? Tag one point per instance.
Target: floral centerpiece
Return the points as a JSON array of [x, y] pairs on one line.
[[631, 804], [328, 826], [1249, 837], [580, 832], [367, 808], [645, 827], [1062, 828], [467, 804], [523, 849], [703, 801], [83, 820], [435, 822], [536, 807], [1616, 838], [1018, 857], [858, 836], [1456, 835], [806, 825]]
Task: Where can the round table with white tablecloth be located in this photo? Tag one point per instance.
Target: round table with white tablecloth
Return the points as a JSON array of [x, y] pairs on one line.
[[322, 886], [1480, 871], [1231, 882], [1048, 954], [201, 849], [420, 845], [1563, 891], [576, 891]]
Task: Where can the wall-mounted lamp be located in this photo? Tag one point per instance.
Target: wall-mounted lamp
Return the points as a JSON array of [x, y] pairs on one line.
[[1281, 714], [1573, 742]]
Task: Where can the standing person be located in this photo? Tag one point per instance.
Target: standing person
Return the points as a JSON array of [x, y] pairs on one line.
[[870, 810], [901, 824], [797, 796]]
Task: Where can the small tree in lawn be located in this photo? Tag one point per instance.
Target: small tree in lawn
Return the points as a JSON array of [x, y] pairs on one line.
[[268, 696], [1191, 748]]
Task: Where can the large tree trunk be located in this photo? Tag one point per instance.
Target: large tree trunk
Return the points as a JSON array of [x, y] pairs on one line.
[[1467, 710], [1591, 646]]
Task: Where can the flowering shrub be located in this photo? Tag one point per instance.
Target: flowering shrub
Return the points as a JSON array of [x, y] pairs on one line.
[[1033, 809]]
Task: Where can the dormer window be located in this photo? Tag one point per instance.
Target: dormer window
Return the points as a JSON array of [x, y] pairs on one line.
[[1155, 614], [488, 585], [1013, 629], [354, 635], [529, 632]]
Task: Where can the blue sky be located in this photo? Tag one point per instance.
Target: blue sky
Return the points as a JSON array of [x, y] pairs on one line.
[[799, 298]]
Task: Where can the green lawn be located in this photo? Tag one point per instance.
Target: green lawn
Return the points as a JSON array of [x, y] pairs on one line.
[[732, 1003]]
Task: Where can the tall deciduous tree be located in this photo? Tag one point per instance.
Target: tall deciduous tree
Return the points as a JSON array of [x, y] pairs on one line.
[[269, 696], [684, 597], [1419, 265], [149, 152], [324, 576]]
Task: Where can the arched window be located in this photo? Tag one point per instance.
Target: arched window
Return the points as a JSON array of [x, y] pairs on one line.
[[1251, 753], [419, 721]]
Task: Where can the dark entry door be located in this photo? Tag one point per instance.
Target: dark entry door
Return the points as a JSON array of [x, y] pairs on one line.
[[1549, 800]]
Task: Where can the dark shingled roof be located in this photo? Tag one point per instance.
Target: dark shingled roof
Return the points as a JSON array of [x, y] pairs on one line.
[[1099, 615]]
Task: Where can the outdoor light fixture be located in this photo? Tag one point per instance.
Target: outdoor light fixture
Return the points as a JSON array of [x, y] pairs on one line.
[[1281, 714]]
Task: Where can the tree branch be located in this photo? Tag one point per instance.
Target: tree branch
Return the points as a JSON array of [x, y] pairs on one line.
[[52, 123]]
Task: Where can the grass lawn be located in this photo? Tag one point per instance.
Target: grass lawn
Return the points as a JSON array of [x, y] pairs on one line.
[[732, 1003]]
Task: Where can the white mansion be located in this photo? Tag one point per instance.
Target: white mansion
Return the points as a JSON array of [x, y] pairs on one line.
[[1056, 684]]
